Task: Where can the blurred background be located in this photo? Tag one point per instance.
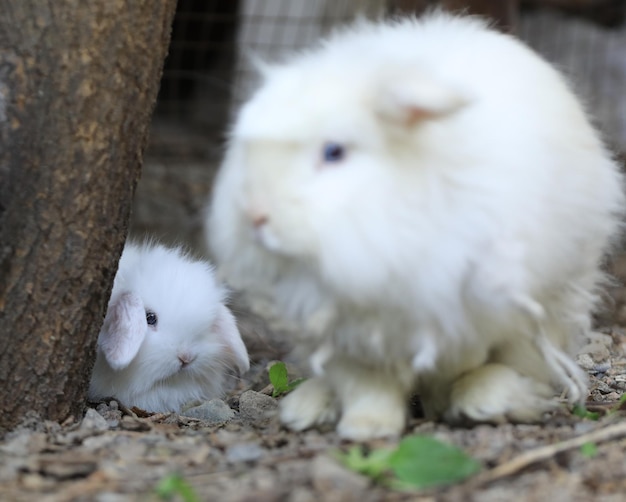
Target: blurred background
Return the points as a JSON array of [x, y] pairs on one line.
[[209, 72]]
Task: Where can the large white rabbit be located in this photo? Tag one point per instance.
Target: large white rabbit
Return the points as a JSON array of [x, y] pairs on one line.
[[167, 337], [428, 199]]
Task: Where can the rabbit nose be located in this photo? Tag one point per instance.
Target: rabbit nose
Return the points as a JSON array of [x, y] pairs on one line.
[[256, 213], [259, 220], [186, 358]]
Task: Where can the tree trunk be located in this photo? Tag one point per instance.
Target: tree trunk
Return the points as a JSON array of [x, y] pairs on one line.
[[78, 82]]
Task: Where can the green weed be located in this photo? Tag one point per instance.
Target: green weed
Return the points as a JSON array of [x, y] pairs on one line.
[[173, 485], [280, 379], [417, 462]]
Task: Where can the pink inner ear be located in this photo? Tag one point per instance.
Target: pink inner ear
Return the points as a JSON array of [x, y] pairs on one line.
[[123, 331], [225, 326], [414, 101], [414, 115]]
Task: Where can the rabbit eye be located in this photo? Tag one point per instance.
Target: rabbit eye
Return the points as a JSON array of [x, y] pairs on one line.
[[151, 318], [334, 152]]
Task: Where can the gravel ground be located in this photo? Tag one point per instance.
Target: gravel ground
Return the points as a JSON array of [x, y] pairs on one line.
[[235, 450]]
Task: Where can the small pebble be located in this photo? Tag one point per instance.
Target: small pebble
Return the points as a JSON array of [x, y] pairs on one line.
[[244, 452], [602, 367], [94, 421], [596, 350], [213, 411], [256, 408], [585, 361], [111, 413], [602, 338]]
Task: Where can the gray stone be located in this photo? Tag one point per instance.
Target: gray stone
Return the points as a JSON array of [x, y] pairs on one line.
[[214, 411], [598, 351], [244, 452], [111, 413], [585, 361], [601, 338], [114, 497], [257, 408], [94, 421]]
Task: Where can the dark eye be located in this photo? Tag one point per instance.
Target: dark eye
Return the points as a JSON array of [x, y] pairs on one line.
[[334, 152], [151, 318]]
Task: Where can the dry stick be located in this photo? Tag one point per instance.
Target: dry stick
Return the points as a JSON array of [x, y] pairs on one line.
[[545, 452]]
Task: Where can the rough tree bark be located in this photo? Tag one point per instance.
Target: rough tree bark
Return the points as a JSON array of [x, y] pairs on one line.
[[78, 82]]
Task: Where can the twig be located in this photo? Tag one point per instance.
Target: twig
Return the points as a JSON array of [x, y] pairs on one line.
[[545, 452]]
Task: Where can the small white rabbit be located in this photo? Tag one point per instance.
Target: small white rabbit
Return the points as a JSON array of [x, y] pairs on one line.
[[167, 337], [428, 199]]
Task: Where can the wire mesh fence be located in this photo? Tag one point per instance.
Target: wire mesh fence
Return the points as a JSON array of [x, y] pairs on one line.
[[211, 65], [594, 58], [210, 70]]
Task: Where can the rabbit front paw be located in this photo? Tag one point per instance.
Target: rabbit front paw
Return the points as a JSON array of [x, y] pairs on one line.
[[372, 418], [312, 403], [495, 393]]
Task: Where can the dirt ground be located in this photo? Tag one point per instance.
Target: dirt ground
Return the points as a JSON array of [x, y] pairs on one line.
[[114, 454]]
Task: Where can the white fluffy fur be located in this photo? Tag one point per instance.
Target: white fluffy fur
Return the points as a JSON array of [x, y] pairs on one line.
[[192, 323], [455, 248]]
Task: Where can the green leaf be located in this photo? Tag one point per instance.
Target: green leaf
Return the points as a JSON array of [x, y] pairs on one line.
[[294, 384], [589, 450], [278, 377], [173, 485], [417, 462], [582, 412], [422, 462], [374, 465]]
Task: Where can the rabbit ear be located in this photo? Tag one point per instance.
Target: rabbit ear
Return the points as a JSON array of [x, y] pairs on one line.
[[411, 101], [225, 326], [123, 331]]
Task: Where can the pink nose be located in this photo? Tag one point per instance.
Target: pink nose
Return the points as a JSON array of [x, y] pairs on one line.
[[186, 358], [259, 220]]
